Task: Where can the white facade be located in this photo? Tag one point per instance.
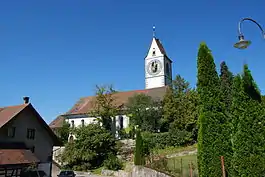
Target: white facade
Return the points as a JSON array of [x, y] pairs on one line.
[[119, 122], [158, 67]]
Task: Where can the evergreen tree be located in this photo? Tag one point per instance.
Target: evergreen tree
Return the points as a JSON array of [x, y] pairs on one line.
[[211, 118], [180, 106], [138, 154], [226, 78], [248, 127]]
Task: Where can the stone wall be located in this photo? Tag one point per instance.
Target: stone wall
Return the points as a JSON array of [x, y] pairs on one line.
[[137, 171]]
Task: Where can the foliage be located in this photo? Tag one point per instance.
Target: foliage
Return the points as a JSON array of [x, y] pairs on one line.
[[180, 107], [248, 122], [105, 106], [64, 132], [226, 78], [139, 155], [211, 118], [167, 139], [91, 147], [113, 163], [144, 112]]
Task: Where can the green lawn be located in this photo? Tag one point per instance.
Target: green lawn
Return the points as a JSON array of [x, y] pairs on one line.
[[173, 150], [181, 165]]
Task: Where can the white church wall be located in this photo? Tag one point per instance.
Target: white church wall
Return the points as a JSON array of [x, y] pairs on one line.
[[119, 122]]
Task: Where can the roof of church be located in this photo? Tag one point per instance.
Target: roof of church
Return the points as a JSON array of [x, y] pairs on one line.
[[160, 46], [85, 104]]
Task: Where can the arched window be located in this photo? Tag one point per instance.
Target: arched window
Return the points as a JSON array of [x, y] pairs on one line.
[[73, 123], [71, 139], [82, 123], [154, 51]]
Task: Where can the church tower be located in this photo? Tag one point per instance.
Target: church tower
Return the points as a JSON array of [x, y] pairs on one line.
[[158, 67]]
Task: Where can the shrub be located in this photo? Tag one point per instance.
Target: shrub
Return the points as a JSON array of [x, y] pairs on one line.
[[113, 163], [139, 153], [167, 139]]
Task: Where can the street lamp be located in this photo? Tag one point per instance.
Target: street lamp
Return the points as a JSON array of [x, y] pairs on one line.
[[242, 43]]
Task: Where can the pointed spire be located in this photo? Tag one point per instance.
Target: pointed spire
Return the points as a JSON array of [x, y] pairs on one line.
[[154, 31]]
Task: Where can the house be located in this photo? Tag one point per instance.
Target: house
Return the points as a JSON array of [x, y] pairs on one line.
[[158, 75], [25, 139]]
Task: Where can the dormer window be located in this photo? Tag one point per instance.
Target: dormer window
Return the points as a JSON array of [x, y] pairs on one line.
[[154, 51]]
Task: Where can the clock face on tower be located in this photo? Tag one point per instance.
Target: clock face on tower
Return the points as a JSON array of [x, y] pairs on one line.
[[154, 67]]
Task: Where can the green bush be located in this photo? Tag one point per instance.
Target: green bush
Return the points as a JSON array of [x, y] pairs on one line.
[[113, 163], [139, 155], [167, 139]]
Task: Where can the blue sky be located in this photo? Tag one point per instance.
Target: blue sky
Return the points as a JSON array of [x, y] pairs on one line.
[[57, 51]]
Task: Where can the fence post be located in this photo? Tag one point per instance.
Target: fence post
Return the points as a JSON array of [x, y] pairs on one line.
[[181, 173], [191, 172], [223, 165]]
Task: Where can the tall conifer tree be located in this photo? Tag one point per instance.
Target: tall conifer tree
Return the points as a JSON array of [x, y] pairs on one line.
[[248, 127], [210, 139], [226, 78]]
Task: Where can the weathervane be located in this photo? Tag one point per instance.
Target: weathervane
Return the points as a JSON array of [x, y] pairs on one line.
[[154, 31]]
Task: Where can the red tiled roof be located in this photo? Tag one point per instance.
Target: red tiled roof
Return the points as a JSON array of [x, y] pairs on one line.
[[17, 156], [7, 113], [85, 104], [58, 122]]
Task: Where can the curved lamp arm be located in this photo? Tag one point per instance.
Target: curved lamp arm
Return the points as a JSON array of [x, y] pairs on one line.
[[242, 43], [249, 19]]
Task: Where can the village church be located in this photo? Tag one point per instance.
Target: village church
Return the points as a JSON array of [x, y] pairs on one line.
[[158, 75]]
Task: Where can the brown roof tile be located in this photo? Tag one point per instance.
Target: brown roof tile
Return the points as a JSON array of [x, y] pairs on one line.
[[85, 104], [58, 122], [17, 156], [7, 113]]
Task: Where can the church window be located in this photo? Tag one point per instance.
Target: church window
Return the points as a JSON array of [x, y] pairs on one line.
[[121, 122], [73, 123], [82, 123], [154, 51]]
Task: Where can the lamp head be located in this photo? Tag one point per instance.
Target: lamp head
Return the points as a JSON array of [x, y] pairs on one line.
[[242, 43]]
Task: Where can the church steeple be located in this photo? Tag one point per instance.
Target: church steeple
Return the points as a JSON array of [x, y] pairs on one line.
[[158, 72]]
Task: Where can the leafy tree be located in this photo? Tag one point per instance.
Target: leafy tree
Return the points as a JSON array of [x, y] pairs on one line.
[[144, 112], [92, 146], [211, 118], [105, 106], [139, 151], [180, 106], [226, 78], [248, 127], [64, 132]]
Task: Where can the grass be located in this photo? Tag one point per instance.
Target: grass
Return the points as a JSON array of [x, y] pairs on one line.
[[173, 150], [97, 171], [181, 165]]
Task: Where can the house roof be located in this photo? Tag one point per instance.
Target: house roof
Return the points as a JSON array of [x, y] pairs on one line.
[[17, 156], [7, 113], [58, 122], [10, 112], [85, 104]]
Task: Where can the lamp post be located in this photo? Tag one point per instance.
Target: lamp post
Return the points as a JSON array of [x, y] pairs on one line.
[[242, 43]]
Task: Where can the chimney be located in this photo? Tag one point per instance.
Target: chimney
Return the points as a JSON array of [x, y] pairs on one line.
[[26, 99]]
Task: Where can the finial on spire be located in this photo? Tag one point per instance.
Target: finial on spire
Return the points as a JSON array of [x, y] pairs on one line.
[[154, 31]]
